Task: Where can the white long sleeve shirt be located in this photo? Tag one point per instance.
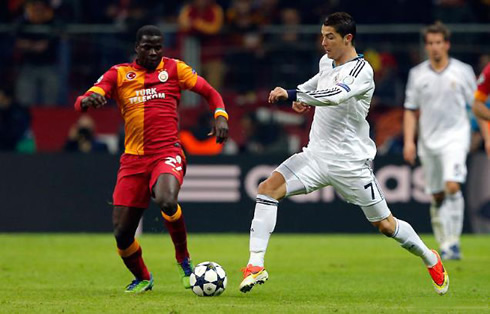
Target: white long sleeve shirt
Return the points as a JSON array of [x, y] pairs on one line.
[[342, 96]]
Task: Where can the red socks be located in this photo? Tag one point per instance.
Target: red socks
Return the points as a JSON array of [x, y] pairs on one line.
[[176, 228], [133, 259], [132, 255]]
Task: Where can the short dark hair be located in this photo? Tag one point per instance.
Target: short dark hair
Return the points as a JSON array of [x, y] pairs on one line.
[[343, 23], [148, 30], [437, 28]]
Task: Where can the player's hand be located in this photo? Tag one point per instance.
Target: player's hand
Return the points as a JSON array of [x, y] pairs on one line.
[[300, 107], [277, 94], [93, 100], [220, 129], [409, 153]]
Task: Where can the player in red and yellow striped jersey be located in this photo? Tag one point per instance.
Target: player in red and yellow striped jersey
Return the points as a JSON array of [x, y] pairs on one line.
[[482, 93], [479, 107], [148, 92]]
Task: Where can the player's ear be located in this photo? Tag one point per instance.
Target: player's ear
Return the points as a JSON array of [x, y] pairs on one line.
[[347, 39]]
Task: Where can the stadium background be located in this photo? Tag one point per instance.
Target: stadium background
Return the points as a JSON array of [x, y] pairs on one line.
[[52, 51]]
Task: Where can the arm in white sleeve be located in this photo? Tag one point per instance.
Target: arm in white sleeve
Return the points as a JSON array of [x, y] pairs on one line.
[[311, 84], [411, 95], [470, 85], [348, 86]]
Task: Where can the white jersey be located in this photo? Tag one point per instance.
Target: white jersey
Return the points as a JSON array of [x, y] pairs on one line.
[[342, 95], [442, 98]]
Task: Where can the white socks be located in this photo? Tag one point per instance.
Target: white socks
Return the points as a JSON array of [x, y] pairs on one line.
[[263, 225], [264, 222], [409, 240], [438, 218], [447, 220], [455, 212]]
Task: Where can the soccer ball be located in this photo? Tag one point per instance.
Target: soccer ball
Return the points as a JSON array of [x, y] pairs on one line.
[[208, 279]]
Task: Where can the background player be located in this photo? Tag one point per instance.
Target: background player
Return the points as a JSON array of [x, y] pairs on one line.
[[481, 95], [148, 92], [337, 154], [440, 88]]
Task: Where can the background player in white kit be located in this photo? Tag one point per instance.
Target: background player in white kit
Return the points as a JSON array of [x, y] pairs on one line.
[[440, 88], [337, 154]]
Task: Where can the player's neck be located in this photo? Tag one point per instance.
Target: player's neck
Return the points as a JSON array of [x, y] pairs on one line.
[[439, 65], [346, 57]]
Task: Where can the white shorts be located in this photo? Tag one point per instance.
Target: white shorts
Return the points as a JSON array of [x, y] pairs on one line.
[[442, 168], [353, 180]]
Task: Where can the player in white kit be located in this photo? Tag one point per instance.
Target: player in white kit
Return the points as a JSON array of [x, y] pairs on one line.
[[440, 88], [338, 153]]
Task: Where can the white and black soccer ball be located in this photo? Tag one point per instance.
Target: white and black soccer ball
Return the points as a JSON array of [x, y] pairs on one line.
[[208, 279]]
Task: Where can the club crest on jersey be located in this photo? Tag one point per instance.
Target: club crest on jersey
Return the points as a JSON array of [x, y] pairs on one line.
[[130, 75], [348, 80], [163, 76]]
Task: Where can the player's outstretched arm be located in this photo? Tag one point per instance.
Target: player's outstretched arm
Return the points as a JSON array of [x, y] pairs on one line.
[[281, 94], [347, 87], [97, 95], [220, 129], [90, 100], [215, 101], [93, 100], [277, 94]]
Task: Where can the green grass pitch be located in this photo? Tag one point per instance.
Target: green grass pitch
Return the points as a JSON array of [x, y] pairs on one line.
[[75, 273]]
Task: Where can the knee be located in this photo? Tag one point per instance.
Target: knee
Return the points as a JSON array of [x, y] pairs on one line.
[[264, 187], [438, 198], [123, 236], [118, 229], [267, 188], [386, 227], [167, 205], [452, 188]]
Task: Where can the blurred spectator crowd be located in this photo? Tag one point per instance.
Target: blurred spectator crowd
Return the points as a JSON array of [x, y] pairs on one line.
[[246, 48]]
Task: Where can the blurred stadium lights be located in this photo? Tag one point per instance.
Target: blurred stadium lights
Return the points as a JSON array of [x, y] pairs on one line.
[[268, 29], [83, 28], [96, 47]]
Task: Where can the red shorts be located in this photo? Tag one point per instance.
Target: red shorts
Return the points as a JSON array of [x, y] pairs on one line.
[[138, 174]]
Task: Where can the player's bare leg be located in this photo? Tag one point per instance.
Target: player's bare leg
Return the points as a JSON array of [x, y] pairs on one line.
[[403, 232], [165, 193], [269, 193], [125, 221]]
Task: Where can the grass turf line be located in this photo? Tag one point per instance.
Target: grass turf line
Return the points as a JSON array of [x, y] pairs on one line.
[[308, 273]]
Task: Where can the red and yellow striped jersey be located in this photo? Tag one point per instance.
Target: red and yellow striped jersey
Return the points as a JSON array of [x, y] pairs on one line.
[[483, 90], [148, 102]]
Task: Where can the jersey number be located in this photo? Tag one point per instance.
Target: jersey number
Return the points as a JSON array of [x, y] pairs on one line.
[[370, 185], [174, 161]]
